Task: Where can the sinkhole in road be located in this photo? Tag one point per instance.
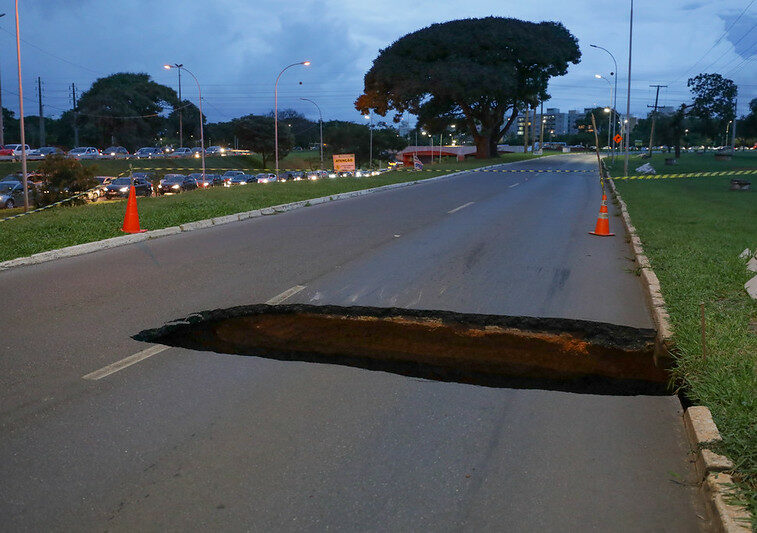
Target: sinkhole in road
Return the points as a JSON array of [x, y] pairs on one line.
[[490, 350]]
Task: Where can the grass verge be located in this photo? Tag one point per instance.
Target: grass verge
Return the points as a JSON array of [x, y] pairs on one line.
[[67, 226], [693, 231]]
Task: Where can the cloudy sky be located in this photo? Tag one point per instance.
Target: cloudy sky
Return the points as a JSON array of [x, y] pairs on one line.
[[236, 48]]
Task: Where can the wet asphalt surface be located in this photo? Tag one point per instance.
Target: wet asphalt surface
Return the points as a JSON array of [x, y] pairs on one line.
[[196, 440]]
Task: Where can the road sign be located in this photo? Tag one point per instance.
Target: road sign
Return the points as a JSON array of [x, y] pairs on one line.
[[618, 138], [344, 162]]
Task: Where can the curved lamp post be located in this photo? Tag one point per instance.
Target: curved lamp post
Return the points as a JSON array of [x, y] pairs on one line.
[[276, 111], [320, 122], [615, 100], [199, 91], [607, 109]]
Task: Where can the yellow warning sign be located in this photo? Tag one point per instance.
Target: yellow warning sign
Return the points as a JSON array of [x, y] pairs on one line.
[[344, 162]]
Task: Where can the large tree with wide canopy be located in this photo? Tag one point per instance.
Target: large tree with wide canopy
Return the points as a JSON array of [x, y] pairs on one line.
[[473, 72]]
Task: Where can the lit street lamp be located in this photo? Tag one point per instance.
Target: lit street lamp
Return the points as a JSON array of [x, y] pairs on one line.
[[607, 109], [370, 128], [615, 98], [199, 91], [320, 122], [276, 112], [181, 130]]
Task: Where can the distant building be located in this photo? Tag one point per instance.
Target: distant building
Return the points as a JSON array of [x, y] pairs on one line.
[[558, 123]]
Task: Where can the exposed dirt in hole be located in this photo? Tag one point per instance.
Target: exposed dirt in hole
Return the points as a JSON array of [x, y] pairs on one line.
[[492, 350]]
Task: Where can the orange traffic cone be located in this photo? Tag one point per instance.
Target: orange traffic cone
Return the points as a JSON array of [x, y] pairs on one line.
[[131, 220], [603, 221]]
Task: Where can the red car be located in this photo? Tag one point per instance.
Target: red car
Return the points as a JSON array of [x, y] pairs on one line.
[[12, 151]]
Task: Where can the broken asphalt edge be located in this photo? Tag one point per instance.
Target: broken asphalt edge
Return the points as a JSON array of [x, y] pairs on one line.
[[716, 484]]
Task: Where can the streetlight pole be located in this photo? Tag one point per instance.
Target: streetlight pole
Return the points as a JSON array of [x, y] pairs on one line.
[[276, 112], [2, 127], [320, 122], [370, 128], [607, 110], [199, 91], [628, 96], [615, 99], [21, 116], [181, 129]]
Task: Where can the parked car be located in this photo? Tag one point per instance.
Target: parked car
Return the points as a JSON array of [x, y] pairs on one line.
[[210, 180], [215, 150], [119, 187], [266, 177], [84, 152], [13, 151], [99, 190], [43, 152], [116, 152], [176, 183], [230, 174], [241, 179], [181, 152], [11, 194], [148, 153], [317, 174]]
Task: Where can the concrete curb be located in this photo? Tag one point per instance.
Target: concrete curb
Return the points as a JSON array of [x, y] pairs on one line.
[[716, 484], [651, 284], [82, 249]]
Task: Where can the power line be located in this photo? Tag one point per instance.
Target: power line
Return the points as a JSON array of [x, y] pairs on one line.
[[53, 55], [734, 46], [717, 41]]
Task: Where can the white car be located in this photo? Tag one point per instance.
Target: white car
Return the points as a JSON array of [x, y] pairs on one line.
[[84, 152], [181, 152], [13, 151]]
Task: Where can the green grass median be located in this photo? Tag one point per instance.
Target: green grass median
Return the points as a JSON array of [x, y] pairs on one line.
[[66, 226], [693, 230]]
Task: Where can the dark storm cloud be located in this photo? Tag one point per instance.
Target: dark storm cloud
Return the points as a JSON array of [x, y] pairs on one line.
[[236, 48]]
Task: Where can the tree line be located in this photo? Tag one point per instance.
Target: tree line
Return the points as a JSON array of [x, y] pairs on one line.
[[132, 110]]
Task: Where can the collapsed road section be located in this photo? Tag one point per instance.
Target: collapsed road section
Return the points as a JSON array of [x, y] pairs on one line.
[[492, 350]]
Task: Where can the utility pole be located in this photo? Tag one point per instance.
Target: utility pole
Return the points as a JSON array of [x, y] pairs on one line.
[[526, 119], [654, 115], [76, 116], [628, 94], [41, 114], [533, 130]]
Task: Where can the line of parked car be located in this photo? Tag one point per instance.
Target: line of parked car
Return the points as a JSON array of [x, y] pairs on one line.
[[12, 152], [11, 190]]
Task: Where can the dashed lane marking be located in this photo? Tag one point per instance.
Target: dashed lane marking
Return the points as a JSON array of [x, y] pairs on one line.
[[125, 362], [513, 185], [458, 208]]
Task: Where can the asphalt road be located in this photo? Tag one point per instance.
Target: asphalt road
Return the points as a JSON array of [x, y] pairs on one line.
[[187, 440]]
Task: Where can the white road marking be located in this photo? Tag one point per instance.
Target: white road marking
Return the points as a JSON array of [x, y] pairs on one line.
[[125, 362], [455, 210], [514, 185], [284, 295]]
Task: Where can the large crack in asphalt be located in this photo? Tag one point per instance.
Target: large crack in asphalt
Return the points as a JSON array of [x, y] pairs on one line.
[[490, 350]]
